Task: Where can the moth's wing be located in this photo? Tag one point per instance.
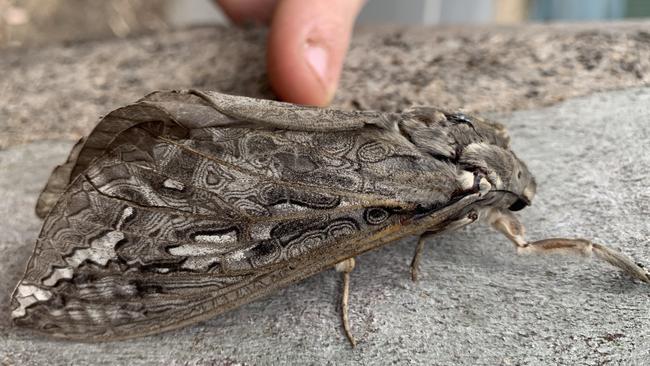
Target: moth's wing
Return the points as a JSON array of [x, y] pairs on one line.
[[295, 117], [106, 134], [162, 232], [58, 181], [177, 112]]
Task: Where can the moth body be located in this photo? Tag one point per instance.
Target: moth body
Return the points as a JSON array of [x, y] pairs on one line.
[[187, 204]]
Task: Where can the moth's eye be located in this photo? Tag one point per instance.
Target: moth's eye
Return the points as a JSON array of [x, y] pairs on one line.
[[518, 205], [519, 174]]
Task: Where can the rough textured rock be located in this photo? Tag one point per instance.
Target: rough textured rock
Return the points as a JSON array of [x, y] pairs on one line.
[[477, 302], [59, 91]]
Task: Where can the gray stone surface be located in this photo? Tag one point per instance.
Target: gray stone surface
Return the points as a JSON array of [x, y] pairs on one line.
[[59, 90], [477, 303]]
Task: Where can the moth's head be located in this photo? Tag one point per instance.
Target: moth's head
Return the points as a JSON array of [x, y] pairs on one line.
[[505, 172], [522, 184]]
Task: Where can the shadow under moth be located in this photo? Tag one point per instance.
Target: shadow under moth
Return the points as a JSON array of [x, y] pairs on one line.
[[187, 204]]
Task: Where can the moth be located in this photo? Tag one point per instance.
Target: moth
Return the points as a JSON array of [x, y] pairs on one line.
[[188, 203]]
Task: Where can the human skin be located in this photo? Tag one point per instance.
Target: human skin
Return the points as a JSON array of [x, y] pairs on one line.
[[307, 43]]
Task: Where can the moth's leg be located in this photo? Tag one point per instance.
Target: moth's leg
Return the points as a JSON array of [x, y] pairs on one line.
[[415, 262], [471, 182], [507, 224], [346, 267]]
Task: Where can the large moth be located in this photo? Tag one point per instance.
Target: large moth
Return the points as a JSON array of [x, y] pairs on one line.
[[187, 204]]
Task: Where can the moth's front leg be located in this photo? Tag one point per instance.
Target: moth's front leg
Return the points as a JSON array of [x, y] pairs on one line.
[[506, 223], [346, 267], [470, 182], [415, 262]]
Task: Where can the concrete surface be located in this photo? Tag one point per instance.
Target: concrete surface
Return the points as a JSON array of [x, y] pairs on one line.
[[477, 303], [58, 91]]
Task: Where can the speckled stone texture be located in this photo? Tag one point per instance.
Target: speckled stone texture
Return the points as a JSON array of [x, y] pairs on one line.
[[477, 303], [59, 91]]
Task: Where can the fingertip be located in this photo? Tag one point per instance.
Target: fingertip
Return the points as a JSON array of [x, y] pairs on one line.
[[307, 45]]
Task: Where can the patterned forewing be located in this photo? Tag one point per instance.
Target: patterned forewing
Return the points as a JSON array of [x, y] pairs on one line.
[[162, 232]]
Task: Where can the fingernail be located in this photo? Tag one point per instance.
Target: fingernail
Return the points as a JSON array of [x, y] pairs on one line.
[[317, 57]]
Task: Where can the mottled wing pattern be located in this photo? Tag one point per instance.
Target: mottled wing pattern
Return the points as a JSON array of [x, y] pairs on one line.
[[182, 212]]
